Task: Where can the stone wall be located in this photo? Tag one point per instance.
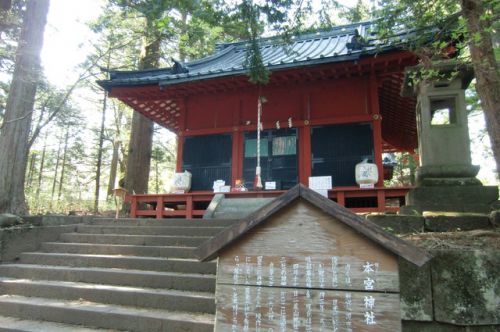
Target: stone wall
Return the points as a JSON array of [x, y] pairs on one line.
[[458, 290]]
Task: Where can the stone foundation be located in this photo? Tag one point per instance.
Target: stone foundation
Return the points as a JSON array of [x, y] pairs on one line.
[[452, 198]]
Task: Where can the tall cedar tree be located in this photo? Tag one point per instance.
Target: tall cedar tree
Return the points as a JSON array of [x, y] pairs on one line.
[[479, 19], [141, 134], [14, 134]]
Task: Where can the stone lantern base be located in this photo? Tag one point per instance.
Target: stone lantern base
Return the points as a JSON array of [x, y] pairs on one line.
[[450, 188]]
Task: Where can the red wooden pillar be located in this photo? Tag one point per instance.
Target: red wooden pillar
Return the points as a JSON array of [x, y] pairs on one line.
[[377, 128], [341, 198], [381, 200], [237, 156], [305, 154], [180, 134], [159, 207], [305, 142], [189, 206], [180, 148], [133, 207]]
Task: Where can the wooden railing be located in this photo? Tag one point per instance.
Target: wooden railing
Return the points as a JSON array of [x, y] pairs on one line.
[[188, 205], [193, 204]]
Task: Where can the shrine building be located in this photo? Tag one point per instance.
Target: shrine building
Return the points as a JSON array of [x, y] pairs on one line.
[[333, 100]]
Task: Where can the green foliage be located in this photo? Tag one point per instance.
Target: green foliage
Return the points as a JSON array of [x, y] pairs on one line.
[[10, 28], [257, 71], [404, 170], [360, 12], [434, 25]]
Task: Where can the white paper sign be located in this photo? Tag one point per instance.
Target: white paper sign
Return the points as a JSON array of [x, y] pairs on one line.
[[320, 182], [270, 185]]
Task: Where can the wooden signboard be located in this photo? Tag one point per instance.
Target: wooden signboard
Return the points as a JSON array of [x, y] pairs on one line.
[[301, 269]]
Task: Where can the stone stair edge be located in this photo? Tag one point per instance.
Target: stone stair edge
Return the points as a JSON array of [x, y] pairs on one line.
[[12, 324], [91, 314], [137, 235], [106, 270], [108, 286]]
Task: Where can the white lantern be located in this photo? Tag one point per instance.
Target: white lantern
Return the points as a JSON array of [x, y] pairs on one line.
[[182, 182], [366, 173]]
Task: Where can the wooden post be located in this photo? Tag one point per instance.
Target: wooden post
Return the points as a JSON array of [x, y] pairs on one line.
[[341, 198], [305, 142], [189, 206], [235, 158], [119, 195], [381, 200], [159, 207], [305, 154], [377, 128], [180, 147], [133, 207]]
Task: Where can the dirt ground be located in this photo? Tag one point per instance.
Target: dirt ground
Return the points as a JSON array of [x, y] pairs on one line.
[[476, 239]]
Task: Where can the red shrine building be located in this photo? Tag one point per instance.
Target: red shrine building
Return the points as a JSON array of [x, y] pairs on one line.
[[333, 100]]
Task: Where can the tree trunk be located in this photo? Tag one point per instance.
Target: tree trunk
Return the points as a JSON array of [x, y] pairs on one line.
[[157, 175], [139, 154], [40, 171], [141, 135], [63, 166], [114, 167], [486, 69], [31, 170], [99, 154], [54, 180], [17, 121]]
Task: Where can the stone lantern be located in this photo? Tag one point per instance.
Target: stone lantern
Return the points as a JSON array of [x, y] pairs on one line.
[[446, 178]]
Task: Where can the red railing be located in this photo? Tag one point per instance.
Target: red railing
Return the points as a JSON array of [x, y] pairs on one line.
[[193, 204]]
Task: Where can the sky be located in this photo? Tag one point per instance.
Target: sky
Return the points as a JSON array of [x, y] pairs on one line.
[[68, 39]]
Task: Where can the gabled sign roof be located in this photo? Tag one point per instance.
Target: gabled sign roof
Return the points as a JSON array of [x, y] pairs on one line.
[[230, 235]]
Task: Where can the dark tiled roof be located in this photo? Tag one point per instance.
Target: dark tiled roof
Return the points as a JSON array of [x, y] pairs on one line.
[[341, 43]]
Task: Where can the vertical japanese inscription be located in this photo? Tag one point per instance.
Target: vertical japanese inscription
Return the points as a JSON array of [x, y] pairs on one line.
[[335, 272], [261, 300], [369, 272], [335, 315], [348, 311], [236, 278], [248, 299], [258, 295]]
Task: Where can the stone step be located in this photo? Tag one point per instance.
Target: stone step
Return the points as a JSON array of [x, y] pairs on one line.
[[171, 300], [149, 230], [101, 316], [12, 324], [162, 222], [135, 278], [110, 249], [182, 265], [137, 240]]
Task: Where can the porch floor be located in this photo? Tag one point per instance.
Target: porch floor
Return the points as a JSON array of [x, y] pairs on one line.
[[194, 204]]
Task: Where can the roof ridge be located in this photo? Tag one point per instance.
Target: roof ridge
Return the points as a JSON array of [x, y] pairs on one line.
[[325, 32]]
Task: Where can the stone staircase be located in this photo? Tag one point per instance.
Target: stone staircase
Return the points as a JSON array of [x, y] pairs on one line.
[[114, 275]]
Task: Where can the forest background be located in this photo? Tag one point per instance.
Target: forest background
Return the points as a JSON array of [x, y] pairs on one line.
[[79, 138]]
